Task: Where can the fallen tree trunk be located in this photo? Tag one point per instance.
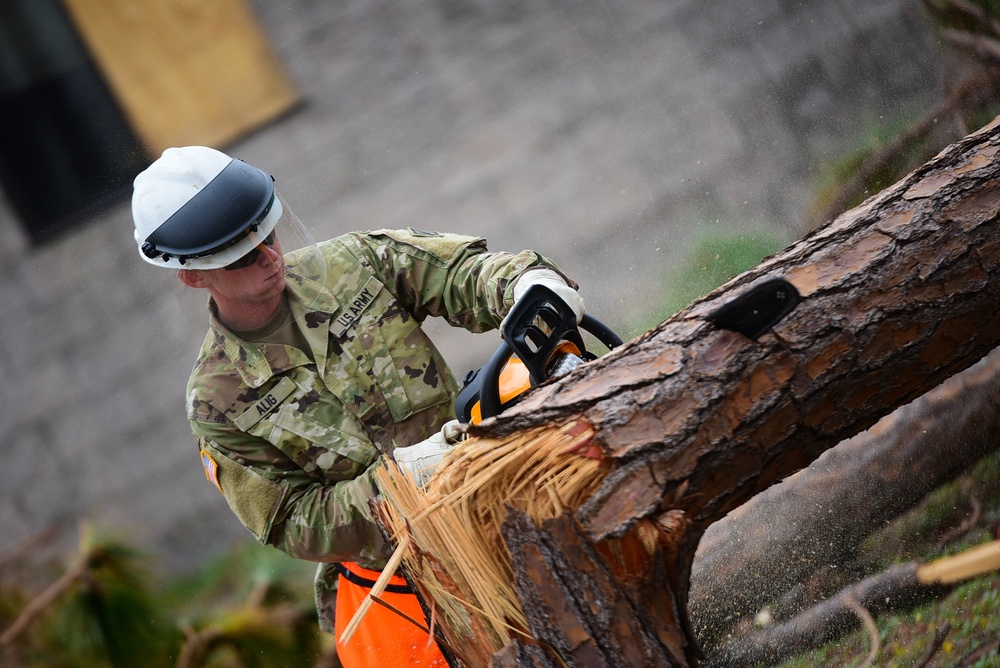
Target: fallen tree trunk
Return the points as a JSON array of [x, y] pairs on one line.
[[820, 515], [695, 419], [898, 294]]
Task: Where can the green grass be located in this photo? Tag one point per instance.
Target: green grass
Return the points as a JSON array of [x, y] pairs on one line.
[[840, 170], [718, 253], [970, 612], [970, 615]]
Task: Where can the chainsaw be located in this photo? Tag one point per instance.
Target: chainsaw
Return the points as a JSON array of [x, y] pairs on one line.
[[540, 340]]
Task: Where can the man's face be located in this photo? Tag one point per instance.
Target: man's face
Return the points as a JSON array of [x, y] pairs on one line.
[[259, 282]]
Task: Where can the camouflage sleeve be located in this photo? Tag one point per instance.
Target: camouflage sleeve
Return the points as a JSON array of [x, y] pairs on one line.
[[284, 506], [448, 275]]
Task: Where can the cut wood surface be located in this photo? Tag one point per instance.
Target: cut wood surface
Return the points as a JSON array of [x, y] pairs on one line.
[[897, 295], [820, 515]]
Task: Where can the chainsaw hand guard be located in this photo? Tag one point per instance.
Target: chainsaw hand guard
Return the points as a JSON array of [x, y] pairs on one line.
[[535, 327], [539, 327]]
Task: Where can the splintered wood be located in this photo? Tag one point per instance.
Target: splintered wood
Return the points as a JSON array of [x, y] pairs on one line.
[[456, 555]]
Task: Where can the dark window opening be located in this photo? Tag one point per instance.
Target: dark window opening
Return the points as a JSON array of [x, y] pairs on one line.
[[65, 146]]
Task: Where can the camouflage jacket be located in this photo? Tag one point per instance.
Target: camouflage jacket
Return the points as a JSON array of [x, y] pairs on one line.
[[292, 439]]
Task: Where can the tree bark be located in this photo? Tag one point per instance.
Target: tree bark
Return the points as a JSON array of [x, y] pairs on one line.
[[820, 515], [897, 295]]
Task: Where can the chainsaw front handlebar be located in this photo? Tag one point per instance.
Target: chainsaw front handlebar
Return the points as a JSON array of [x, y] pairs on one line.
[[489, 397]]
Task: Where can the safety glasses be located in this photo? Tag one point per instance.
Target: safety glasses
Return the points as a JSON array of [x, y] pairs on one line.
[[250, 257]]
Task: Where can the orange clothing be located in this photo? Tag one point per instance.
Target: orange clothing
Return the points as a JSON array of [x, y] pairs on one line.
[[384, 638]]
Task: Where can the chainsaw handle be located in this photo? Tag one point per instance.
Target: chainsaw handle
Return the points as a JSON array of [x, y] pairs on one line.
[[602, 332], [489, 392]]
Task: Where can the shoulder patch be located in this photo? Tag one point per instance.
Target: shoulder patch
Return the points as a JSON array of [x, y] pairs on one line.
[[422, 233], [211, 469]]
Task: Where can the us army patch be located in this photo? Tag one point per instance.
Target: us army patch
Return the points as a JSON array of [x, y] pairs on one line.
[[422, 233], [265, 404], [354, 306], [211, 469]]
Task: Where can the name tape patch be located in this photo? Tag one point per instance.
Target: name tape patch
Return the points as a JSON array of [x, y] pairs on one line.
[[265, 404], [355, 306]]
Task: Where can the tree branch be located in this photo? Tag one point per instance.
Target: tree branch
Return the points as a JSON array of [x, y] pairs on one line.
[[41, 602], [826, 621], [869, 625]]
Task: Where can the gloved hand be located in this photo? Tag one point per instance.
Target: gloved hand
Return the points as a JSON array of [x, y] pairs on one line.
[[420, 460], [553, 281]]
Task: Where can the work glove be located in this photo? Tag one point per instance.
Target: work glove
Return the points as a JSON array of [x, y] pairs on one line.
[[553, 281], [419, 461]]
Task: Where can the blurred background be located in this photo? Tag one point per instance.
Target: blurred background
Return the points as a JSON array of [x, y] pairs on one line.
[[638, 144], [606, 136]]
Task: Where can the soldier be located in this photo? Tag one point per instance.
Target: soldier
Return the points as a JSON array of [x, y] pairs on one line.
[[315, 367]]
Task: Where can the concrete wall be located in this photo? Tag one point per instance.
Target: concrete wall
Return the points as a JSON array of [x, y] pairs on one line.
[[602, 134]]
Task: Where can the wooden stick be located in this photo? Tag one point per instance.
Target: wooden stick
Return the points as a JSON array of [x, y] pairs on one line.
[[972, 562], [378, 587], [966, 526]]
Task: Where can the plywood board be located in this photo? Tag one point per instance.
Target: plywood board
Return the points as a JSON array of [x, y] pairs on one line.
[[185, 71]]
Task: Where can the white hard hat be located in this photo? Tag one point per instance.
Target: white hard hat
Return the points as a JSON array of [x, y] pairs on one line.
[[197, 208]]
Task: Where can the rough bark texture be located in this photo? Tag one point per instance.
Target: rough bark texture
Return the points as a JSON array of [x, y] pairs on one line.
[[575, 603], [820, 515], [898, 294]]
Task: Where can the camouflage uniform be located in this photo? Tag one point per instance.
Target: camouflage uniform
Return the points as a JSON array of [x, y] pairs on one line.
[[291, 438]]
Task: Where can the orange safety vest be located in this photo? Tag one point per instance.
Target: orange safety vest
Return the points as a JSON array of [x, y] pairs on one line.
[[383, 638]]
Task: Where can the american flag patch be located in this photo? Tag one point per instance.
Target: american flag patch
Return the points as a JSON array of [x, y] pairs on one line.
[[211, 469]]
